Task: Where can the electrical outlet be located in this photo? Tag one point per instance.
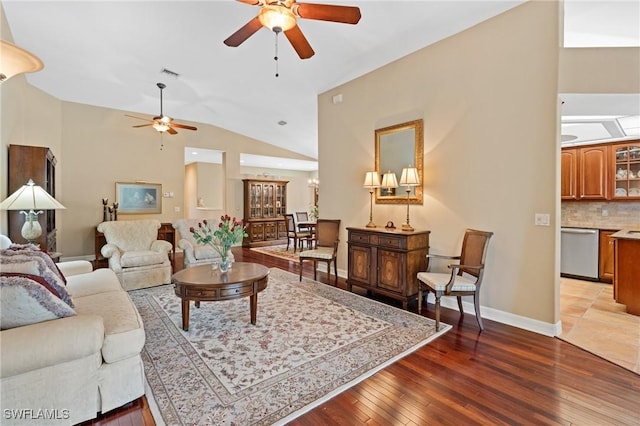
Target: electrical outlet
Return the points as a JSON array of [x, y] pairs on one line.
[[605, 212], [176, 209], [542, 219]]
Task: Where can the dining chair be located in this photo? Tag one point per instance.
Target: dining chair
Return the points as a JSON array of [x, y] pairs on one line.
[[294, 234], [465, 277], [326, 249]]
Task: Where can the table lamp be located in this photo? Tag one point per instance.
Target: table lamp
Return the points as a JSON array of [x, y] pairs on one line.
[[31, 199], [371, 181], [409, 178]]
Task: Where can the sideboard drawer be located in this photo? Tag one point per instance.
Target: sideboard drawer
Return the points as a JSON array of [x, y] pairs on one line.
[[357, 237], [391, 241]]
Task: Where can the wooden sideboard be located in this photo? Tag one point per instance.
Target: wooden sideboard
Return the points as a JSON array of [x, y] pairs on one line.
[[166, 232], [387, 262]]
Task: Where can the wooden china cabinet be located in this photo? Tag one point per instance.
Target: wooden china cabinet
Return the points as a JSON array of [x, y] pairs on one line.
[[265, 204], [39, 164], [387, 262]]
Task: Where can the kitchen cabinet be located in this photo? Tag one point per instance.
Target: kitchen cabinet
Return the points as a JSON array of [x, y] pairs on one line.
[[585, 173], [606, 256], [387, 262], [569, 174], [265, 204], [625, 165], [626, 285]]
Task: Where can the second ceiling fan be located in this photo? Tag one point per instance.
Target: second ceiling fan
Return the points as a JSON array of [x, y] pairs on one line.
[[163, 123], [280, 16]]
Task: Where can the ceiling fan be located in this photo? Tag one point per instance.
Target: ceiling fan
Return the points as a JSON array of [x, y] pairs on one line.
[[162, 123], [280, 16]]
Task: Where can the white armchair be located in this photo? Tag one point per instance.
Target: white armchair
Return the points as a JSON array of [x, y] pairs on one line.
[[193, 253], [135, 254]]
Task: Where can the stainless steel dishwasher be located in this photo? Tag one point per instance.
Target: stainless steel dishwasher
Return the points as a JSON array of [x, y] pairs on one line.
[[579, 253]]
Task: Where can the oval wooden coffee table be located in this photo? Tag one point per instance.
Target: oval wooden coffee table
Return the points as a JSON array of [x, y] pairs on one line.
[[202, 284]]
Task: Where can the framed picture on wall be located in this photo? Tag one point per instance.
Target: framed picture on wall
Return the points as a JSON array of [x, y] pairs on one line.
[[139, 197]]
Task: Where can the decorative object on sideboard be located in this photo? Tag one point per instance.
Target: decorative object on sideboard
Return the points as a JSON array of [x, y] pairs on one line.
[[389, 184], [31, 199], [390, 225], [410, 179], [371, 181], [15, 60], [109, 212]]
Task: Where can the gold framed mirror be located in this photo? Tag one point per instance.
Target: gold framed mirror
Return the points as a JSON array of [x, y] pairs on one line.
[[397, 147]]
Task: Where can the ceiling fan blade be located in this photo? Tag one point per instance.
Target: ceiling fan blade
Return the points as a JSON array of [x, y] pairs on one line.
[[144, 125], [183, 126], [171, 130], [299, 42], [237, 38], [251, 2], [139, 118], [327, 12]]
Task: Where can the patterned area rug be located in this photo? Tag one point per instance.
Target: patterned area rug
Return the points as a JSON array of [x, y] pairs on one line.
[[279, 251], [311, 341]]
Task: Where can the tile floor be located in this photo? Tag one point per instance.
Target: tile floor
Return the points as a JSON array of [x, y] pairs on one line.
[[592, 320]]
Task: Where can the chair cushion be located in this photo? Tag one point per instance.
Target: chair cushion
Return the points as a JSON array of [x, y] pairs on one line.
[[322, 253], [438, 281], [28, 299], [142, 258]]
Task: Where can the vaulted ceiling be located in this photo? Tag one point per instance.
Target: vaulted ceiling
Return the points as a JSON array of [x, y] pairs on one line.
[[112, 53]]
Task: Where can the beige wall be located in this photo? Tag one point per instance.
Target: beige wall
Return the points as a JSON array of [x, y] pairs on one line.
[[97, 147], [598, 70], [489, 104]]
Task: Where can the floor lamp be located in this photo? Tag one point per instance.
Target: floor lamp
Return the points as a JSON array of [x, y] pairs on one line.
[[31, 199], [409, 179], [371, 181]]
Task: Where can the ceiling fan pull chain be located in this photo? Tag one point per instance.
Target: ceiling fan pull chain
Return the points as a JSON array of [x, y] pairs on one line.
[[275, 58]]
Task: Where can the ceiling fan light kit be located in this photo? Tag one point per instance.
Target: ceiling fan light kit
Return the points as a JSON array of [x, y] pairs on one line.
[[163, 123], [281, 16], [277, 18]]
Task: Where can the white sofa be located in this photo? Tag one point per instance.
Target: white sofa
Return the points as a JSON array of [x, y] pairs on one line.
[[66, 370], [193, 253], [135, 254]]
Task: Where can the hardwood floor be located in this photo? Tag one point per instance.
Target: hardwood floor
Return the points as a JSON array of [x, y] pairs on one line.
[[503, 375]]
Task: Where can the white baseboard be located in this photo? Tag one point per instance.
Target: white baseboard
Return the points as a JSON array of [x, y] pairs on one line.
[[525, 323], [518, 321], [90, 258]]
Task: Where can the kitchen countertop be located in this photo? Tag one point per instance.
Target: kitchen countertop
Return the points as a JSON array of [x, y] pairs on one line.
[[628, 234]]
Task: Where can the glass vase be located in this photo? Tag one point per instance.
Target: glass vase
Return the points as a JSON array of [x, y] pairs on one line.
[[225, 264]]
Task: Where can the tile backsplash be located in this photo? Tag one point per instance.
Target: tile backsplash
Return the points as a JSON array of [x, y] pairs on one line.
[[612, 215]]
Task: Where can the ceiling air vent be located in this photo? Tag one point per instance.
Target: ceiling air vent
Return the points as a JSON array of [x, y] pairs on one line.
[[169, 73]]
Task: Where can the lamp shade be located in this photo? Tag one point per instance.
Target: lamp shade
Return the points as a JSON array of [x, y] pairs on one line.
[[389, 180], [15, 60], [31, 197], [410, 177], [371, 180]]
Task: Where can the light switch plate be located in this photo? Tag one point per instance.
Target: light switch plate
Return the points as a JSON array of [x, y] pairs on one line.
[[542, 219]]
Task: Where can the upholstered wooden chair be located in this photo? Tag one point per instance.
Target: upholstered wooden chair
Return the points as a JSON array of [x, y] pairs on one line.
[[135, 254], [465, 278], [302, 217], [298, 237], [326, 249]]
